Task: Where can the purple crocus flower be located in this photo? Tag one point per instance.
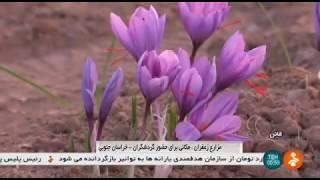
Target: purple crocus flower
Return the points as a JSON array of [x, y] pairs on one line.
[[317, 24], [235, 64], [213, 121], [144, 32], [112, 89], [156, 72], [194, 83], [202, 19], [89, 84], [110, 93]]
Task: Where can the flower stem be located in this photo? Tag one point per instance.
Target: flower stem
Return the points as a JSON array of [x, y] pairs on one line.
[[93, 140], [195, 48], [93, 137], [131, 171], [164, 170], [172, 121], [144, 122], [160, 125]]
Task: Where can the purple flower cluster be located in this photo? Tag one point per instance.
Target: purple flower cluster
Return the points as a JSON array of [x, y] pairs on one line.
[[198, 84]]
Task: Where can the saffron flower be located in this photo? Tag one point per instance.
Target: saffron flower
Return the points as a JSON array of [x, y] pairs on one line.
[[194, 83], [111, 91], [155, 74], [317, 24], [214, 120], [89, 85], [202, 19], [144, 32], [235, 64]]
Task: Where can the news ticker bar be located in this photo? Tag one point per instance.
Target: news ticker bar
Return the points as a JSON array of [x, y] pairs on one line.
[[82, 159], [144, 153]]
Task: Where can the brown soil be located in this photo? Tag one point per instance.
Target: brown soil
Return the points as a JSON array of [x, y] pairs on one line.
[[48, 42]]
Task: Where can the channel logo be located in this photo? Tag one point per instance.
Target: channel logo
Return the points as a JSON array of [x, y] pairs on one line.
[[293, 159], [272, 159]]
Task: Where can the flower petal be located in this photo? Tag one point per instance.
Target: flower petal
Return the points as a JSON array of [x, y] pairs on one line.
[[183, 10], [90, 75], [224, 103], [258, 56], [233, 73], [184, 59], [208, 26], [138, 33], [170, 64], [191, 21], [120, 30], [202, 102], [197, 112], [162, 25], [158, 24], [190, 86], [110, 93], [156, 87], [194, 28], [144, 76], [185, 131], [88, 100], [207, 72], [175, 89], [222, 126], [233, 46], [234, 137]]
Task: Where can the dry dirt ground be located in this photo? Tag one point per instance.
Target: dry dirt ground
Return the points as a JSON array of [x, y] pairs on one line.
[[48, 42]]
